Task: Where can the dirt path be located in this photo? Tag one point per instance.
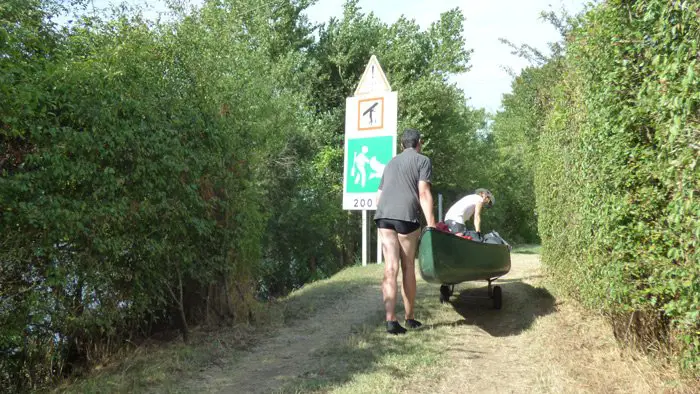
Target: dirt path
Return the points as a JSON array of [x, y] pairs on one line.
[[539, 344], [289, 354], [533, 344]]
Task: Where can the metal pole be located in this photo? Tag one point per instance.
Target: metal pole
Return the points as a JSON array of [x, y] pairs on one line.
[[364, 237], [439, 207]]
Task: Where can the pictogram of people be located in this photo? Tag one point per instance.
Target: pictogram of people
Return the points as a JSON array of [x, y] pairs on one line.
[[359, 167]]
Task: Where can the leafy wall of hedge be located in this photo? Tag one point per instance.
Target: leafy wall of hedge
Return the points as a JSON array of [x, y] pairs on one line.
[[128, 196], [618, 179]]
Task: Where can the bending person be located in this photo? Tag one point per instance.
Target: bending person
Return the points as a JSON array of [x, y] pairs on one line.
[[460, 213], [403, 191]]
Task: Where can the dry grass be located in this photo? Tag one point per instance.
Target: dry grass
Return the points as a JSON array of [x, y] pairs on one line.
[[160, 366], [329, 337], [164, 366], [527, 249], [582, 355]]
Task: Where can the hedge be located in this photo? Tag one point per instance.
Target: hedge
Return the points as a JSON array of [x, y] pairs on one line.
[[617, 183]]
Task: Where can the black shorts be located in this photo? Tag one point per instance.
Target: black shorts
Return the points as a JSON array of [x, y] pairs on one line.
[[400, 226]]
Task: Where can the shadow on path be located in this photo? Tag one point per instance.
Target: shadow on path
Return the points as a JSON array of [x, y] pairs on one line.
[[522, 304]]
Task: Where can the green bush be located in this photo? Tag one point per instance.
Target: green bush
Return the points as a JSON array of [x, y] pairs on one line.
[[617, 180], [131, 157], [155, 174], [516, 132]]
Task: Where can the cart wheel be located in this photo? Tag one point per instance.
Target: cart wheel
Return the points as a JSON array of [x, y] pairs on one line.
[[497, 297], [445, 294]]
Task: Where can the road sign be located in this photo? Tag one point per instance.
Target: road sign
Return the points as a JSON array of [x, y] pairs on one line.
[[366, 159], [373, 79], [370, 114], [370, 142]]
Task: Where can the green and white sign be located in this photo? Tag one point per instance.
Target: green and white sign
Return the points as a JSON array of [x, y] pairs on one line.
[[366, 159], [370, 138]]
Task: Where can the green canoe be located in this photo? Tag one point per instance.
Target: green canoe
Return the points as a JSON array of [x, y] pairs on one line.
[[447, 259]]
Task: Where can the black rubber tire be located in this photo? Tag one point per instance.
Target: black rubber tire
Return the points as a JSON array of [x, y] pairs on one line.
[[497, 297], [445, 294]]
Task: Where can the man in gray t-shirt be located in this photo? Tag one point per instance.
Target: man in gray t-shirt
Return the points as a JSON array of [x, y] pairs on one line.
[[403, 190]]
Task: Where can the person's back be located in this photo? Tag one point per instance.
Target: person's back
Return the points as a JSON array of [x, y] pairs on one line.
[[399, 199], [463, 209], [403, 190], [457, 216]]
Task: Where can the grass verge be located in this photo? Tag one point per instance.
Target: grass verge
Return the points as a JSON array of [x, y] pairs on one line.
[[527, 249], [162, 366]]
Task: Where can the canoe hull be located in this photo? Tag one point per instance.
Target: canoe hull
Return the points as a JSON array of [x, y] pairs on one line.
[[448, 259]]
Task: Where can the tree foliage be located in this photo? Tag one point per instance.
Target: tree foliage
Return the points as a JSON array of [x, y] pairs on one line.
[[156, 175], [132, 164], [309, 236]]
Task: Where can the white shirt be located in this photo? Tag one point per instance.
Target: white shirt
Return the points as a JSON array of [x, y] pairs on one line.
[[463, 209]]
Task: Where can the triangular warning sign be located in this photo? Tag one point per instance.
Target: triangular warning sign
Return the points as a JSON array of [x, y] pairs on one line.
[[373, 79]]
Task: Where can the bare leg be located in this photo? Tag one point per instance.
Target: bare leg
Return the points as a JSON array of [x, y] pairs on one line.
[[391, 248], [408, 244]]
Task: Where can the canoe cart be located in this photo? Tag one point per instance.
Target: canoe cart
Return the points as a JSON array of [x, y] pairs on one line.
[[447, 259]]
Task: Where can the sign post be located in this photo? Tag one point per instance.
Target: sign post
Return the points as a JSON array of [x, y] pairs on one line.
[[370, 143]]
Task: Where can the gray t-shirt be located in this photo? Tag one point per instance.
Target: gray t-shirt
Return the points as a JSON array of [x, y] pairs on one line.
[[399, 185]]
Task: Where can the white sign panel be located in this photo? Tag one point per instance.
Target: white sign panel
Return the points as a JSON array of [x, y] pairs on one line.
[[370, 143], [373, 80]]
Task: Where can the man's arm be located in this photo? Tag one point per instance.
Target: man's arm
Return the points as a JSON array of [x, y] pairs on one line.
[[379, 194], [426, 202], [477, 216]]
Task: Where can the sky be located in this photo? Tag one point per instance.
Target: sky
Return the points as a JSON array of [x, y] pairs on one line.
[[486, 21]]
